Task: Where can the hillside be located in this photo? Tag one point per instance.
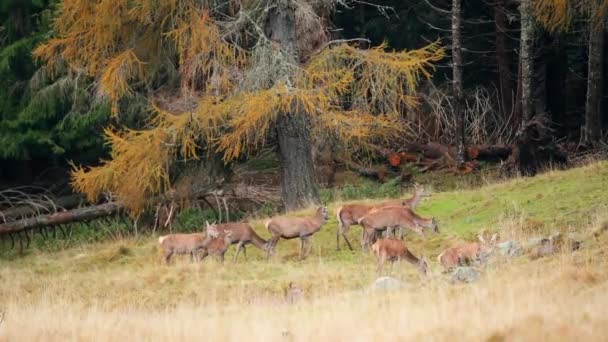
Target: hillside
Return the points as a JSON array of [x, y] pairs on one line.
[[118, 289]]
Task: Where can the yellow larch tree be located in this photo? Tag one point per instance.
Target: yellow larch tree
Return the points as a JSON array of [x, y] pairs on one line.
[[251, 67]]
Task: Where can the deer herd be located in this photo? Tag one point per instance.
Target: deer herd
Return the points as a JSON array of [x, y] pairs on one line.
[[380, 223]]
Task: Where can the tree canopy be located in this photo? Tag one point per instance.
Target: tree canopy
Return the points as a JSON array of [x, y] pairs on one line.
[[226, 81]]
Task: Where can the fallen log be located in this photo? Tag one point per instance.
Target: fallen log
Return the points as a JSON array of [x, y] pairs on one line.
[[75, 215], [377, 174], [50, 205], [490, 152]]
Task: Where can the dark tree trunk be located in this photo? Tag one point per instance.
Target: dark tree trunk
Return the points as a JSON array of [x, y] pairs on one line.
[[527, 156], [457, 82], [526, 55], [299, 187], [503, 59], [593, 114]]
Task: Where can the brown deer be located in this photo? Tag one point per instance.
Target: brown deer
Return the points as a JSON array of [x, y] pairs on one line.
[[182, 244], [466, 253], [388, 218], [294, 227], [217, 242], [191, 244], [395, 250], [242, 235], [350, 214]]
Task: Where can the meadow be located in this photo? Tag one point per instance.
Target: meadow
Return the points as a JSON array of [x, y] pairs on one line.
[[118, 290]]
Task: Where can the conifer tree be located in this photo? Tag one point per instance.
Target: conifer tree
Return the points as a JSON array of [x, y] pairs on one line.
[[235, 72]]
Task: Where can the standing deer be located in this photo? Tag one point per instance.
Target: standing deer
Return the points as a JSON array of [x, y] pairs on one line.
[[395, 250], [242, 235], [466, 253], [294, 227], [394, 217], [350, 214], [182, 244], [216, 242], [191, 244]]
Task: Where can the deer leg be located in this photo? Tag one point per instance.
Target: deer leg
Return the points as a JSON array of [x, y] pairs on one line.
[[245, 252], [167, 256], [238, 250], [381, 264], [391, 270], [301, 248], [338, 232], [401, 233], [271, 246]]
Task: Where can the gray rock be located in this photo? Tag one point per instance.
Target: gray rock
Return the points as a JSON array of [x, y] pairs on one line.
[[386, 284], [509, 248], [533, 242], [465, 275]]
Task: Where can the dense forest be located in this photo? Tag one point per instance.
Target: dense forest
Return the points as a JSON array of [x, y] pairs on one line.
[[135, 98]]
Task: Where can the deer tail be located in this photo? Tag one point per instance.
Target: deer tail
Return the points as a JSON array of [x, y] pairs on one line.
[[162, 238], [440, 257], [339, 218]]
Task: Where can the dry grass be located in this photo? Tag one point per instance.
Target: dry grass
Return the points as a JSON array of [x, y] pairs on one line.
[[119, 291]]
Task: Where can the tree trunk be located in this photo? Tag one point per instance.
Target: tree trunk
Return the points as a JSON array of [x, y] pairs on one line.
[[593, 114], [526, 61], [299, 187], [76, 215], [502, 58], [457, 82]]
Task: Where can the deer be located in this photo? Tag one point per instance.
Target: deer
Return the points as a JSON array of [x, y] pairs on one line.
[[395, 250], [392, 217], [217, 242], [182, 244], [242, 235], [192, 244], [466, 253], [350, 214], [284, 227]]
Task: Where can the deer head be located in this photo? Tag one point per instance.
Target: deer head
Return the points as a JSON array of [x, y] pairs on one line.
[[323, 211]]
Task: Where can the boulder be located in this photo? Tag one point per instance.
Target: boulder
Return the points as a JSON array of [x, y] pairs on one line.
[[386, 284], [465, 275], [509, 248]]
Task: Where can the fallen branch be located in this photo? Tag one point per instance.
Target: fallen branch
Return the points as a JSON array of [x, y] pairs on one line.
[[75, 215]]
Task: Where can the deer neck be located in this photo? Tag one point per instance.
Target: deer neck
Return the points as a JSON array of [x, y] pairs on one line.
[[411, 258], [415, 199]]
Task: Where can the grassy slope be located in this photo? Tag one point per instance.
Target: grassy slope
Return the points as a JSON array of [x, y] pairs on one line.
[[126, 275]]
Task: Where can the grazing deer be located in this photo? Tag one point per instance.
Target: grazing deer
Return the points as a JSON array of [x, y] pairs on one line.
[[294, 227], [395, 217], [467, 252], [242, 235], [395, 250], [350, 214]]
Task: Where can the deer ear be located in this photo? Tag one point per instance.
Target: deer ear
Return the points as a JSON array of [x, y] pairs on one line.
[[481, 239], [206, 223]]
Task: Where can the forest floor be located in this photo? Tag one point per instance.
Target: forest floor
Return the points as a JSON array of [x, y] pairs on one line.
[[118, 289]]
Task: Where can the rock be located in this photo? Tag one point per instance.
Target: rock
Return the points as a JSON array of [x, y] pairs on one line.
[[509, 248], [465, 275], [386, 284], [533, 242]]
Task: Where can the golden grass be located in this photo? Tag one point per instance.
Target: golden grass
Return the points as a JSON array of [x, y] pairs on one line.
[[119, 291], [563, 298]]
